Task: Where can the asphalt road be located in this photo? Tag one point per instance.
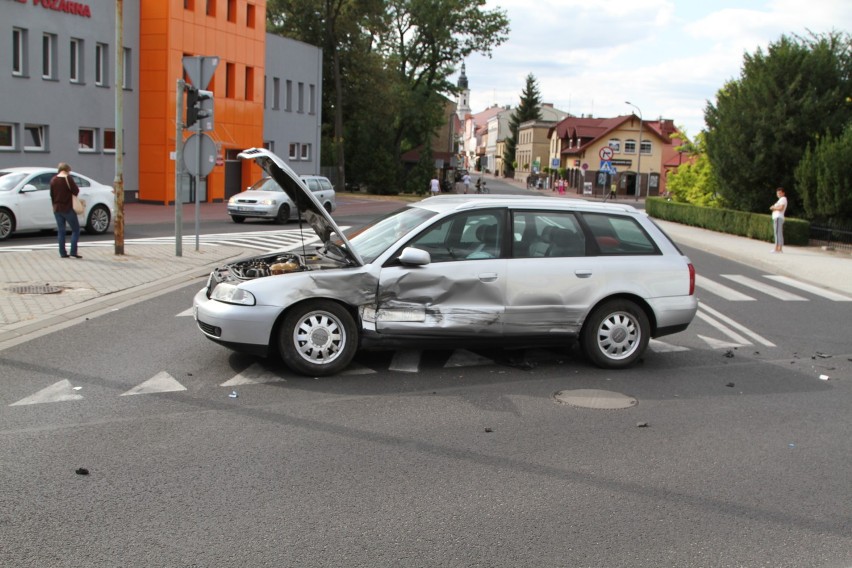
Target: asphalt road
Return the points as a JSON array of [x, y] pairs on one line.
[[731, 455]]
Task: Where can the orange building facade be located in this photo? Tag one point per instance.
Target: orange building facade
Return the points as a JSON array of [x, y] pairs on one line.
[[233, 30]]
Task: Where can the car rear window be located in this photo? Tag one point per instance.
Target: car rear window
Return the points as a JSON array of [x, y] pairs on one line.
[[619, 235]]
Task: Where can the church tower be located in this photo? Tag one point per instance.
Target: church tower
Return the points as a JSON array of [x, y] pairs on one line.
[[463, 105]]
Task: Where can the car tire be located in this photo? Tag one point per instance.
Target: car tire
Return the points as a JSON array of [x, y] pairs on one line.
[[327, 207], [616, 334], [7, 224], [237, 219], [97, 222], [318, 338], [283, 214]]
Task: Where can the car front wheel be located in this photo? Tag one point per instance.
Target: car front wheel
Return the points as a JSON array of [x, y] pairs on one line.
[[7, 224], [98, 220], [318, 338], [616, 334], [237, 219], [283, 214]]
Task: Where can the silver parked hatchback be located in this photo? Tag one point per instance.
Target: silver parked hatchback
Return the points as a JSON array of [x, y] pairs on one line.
[[266, 200], [454, 270]]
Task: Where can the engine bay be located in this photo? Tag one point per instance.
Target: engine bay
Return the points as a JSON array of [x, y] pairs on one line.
[[269, 265]]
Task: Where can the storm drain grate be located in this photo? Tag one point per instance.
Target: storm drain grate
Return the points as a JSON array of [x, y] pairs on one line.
[[35, 289], [594, 398]]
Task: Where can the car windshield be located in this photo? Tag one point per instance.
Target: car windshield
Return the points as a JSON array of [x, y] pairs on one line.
[[372, 240], [265, 184], [9, 180]]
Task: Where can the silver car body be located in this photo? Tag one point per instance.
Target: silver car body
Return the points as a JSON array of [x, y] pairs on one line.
[[427, 274], [25, 203], [266, 200]]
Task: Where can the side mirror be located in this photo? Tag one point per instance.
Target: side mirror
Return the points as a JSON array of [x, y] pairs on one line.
[[27, 188], [414, 256]]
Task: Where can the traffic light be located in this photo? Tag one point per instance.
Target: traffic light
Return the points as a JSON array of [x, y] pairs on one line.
[[199, 108]]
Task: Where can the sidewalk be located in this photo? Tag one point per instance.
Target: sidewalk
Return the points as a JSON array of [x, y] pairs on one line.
[[41, 293]]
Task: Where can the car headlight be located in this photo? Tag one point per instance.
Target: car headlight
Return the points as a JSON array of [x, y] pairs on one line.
[[231, 294], [269, 202], [232, 200]]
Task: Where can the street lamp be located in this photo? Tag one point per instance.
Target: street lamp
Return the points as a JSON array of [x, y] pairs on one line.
[[639, 159]]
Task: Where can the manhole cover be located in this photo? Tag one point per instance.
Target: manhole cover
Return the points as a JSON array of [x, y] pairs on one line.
[[34, 289], [594, 398]]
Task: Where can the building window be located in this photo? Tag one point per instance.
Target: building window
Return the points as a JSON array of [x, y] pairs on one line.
[[294, 151], [76, 73], [249, 83], [288, 96], [312, 99], [306, 151], [615, 144], [250, 15], [230, 80], [189, 5], [301, 95], [211, 8], [232, 11], [34, 138], [630, 146], [101, 78], [646, 147], [87, 139], [19, 52], [126, 78], [269, 145], [48, 57], [109, 141], [276, 93], [7, 136]]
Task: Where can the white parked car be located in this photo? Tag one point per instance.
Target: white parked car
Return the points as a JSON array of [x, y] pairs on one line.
[[266, 200], [454, 270], [25, 201]]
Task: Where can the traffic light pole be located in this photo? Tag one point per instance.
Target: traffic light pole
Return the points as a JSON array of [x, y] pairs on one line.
[[181, 85]]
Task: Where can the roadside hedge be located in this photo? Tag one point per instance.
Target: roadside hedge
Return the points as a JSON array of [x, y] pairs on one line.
[[752, 225]]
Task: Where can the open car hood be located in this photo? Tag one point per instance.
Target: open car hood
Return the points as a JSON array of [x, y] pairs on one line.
[[309, 207]]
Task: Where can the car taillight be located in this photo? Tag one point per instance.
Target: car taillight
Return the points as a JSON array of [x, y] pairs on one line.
[[691, 279]]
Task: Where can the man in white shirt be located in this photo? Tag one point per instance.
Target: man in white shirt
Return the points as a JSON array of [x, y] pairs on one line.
[[435, 186], [778, 210], [466, 182]]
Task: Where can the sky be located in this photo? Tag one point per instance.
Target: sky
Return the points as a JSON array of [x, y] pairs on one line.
[[667, 57]]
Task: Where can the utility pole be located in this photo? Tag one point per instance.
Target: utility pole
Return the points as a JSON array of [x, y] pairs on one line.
[[181, 85], [639, 158], [118, 184]]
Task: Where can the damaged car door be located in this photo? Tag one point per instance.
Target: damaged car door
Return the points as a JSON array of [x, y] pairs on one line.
[[457, 289]]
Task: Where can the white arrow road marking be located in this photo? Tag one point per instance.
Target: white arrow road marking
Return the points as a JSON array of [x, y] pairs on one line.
[[465, 358], [816, 290], [406, 361], [735, 325], [253, 375], [161, 382], [718, 344], [658, 346], [721, 290], [57, 392], [765, 288], [187, 312]]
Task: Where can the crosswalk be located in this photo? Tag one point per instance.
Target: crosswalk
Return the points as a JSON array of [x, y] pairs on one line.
[[262, 241], [756, 286]]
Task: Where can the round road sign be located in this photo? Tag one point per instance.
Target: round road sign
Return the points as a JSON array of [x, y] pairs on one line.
[[605, 153]]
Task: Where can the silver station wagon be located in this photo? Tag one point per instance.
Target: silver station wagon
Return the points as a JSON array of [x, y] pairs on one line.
[[454, 270]]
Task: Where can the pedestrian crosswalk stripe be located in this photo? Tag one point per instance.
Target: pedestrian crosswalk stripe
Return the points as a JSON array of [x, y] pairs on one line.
[[658, 346], [724, 329], [815, 290], [717, 344], [765, 288], [721, 290], [57, 392], [161, 382], [406, 361], [738, 326]]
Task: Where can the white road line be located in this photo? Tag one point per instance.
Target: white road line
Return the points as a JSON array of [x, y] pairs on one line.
[[816, 290], [765, 288], [721, 290], [760, 339], [658, 346], [406, 361], [727, 331]]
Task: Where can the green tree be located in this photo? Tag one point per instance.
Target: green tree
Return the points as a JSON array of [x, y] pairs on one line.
[[529, 108], [761, 123], [694, 181], [824, 178]]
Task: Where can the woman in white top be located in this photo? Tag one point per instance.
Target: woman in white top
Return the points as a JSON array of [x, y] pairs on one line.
[[778, 211]]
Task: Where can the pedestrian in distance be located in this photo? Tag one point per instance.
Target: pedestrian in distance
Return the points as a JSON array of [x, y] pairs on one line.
[[778, 211], [466, 182], [435, 186], [62, 187]]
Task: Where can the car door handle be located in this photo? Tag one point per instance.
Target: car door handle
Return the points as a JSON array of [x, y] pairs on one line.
[[488, 277], [582, 273]]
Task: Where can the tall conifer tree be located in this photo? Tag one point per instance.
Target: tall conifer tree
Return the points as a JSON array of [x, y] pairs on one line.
[[528, 109]]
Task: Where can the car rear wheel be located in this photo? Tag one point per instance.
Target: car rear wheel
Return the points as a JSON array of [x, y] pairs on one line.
[[318, 338], [7, 224], [237, 218], [283, 214], [615, 334], [98, 220]]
